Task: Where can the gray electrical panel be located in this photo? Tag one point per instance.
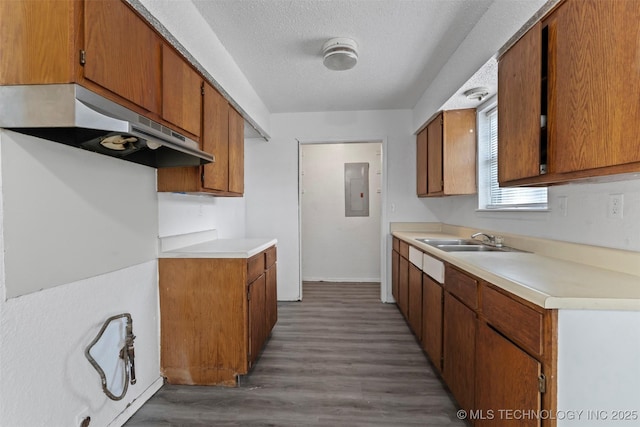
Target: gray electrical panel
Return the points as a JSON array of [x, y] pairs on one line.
[[356, 189]]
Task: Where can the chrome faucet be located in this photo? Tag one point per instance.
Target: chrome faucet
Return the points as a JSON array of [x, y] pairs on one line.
[[489, 239]]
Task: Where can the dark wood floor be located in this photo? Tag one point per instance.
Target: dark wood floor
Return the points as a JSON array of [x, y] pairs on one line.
[[338, 358]]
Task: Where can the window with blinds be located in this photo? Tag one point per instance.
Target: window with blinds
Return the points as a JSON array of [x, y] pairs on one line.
[[496, 197]]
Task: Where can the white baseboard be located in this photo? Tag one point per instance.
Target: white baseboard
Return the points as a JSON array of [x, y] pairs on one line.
[[137, 403], [342, 279]]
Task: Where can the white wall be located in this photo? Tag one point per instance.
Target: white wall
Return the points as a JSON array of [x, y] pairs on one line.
[[185, 213], [271, 178], [335, 247], [59, 214], [598, 367], [186, 24], [503, 19], [272, 188], [586, 221], [46, 379]]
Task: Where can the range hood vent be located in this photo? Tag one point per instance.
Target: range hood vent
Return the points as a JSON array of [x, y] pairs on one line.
[[75, 116]]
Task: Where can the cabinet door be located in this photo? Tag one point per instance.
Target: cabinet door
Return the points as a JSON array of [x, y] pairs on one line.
[[122, 53], [181, 92], [403, 286], [215, 139], [434, 156], [395, 269], [432, 320], [236, 152], [519, 80], [37, 42], [458, 366], [597, 85], [203, 316], [257, 318], [421, 163], [415, 300], [506, 379], [459, 151], [271, 298]]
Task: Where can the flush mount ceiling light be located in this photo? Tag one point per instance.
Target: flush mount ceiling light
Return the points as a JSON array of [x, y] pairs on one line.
[[477, 93], [340, 54]]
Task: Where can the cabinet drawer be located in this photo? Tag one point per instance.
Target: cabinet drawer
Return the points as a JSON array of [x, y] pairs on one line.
[[396, 244], [255, 267], [462, 286], [270, 256], [520, 323], [404, 249]]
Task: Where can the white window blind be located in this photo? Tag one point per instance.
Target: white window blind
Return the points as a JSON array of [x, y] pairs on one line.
[[505, 198]]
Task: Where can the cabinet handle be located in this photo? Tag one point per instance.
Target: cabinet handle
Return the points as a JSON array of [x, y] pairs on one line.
[[542, 383]]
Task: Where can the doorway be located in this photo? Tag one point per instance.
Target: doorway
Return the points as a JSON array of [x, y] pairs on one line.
[[341, 214]]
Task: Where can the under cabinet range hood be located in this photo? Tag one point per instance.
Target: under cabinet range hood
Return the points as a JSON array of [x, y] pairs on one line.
[[72, 115]]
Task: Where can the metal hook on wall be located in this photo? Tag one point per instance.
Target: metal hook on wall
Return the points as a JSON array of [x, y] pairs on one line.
[[127, 355]]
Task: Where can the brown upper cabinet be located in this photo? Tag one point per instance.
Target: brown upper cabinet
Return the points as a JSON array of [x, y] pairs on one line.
[[519, 131], [122, 53], [223, 136], [215, 176], [108, 48], [102, 45], [236, 152], [567, 95], [181, 92], [446, 154], [26, 32], [421, 163]]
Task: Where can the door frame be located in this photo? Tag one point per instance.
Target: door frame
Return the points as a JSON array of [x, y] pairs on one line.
[[385, 284]]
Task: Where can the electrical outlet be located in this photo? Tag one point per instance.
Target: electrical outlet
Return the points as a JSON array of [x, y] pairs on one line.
[[562, 205], [616, 206]]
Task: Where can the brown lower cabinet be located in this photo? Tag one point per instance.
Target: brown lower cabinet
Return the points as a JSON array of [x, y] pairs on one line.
[[257, 317], [459, 344], [415, 300], [432, 295], [403, 286], [271, 296], [395, 269], [506, 381], [497, 353], [215, 316]]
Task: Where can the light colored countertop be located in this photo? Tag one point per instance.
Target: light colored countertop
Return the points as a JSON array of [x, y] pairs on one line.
[[547, 281], [206, 245]]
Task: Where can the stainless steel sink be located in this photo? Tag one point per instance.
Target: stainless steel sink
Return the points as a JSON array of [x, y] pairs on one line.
[[464, 245], [471, 248], [456, 242]]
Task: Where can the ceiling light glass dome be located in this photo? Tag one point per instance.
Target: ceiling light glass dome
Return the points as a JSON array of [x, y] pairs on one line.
[[340, 54]]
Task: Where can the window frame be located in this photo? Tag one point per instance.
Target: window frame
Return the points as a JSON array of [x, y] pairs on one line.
[[488, 178]]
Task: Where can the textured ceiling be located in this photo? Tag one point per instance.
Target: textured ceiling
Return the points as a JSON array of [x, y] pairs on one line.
[[403, 44]]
